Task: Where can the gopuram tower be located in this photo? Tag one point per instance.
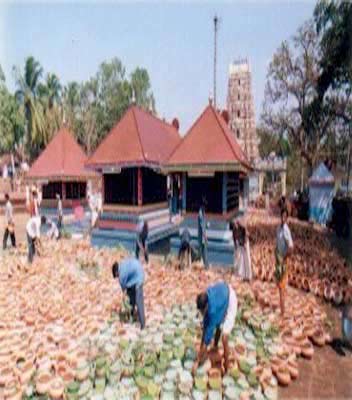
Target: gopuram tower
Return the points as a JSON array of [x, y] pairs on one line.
[[240, 108]]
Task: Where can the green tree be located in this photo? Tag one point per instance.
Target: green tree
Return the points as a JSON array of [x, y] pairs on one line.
[[141, 87], [49, 95], [290, 108], [11, 119], [27, 95]]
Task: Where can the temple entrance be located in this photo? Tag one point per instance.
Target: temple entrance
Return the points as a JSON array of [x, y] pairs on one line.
[[208, 188], [153, 186], [50, 190], [121, 188], [66, 190]]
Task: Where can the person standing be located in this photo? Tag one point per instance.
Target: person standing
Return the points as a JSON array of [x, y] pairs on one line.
[[10, 225], [218, 305], [284, 247], [60, 214], [202, 236], [131, 277], [242, 255], [33, 235], [141, 242], [185, 251]]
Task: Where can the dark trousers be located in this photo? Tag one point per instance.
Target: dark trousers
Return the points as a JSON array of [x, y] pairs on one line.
[[203, 252], [59, 222], [141, 242], [135, 294], [31, 248], [7, 233], [185, 255]]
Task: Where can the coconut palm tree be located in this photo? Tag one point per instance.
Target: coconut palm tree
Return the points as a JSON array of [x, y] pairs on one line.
[[50, 91], [26, 93]]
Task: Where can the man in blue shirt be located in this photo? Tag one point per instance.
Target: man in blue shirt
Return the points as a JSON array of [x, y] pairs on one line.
[[131, 276], [218, 305]]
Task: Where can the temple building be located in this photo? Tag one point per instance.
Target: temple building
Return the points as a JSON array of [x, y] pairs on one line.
[[60, 169], [130, 160], [213, 168]]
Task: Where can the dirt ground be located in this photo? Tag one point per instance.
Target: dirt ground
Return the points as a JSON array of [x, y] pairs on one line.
[[327, 376]]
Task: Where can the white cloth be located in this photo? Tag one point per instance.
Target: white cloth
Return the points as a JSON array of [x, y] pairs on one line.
[[243, 261], [59, 207], [53, 232], [8, 212], [33, 227], [231, 313], [94, 217], [283, 239]]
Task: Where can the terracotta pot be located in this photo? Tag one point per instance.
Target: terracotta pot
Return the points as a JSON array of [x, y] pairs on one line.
[[43, 383], [56, 388]]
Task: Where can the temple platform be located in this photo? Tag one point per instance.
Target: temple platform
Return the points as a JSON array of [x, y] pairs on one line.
[[119, 228], [220, 242]]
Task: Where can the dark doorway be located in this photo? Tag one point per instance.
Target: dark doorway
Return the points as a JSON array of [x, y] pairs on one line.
[[121, 188], [76, 190], [209, 188], [51, 189], [154, 187]]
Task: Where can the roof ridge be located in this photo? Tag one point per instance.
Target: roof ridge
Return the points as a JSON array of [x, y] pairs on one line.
[[187, 133], [138, 132], [110, 133], [227, 138], [156, 118]]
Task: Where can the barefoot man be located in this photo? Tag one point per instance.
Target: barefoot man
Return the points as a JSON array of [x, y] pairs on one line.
[[284, 247], [218, 305]]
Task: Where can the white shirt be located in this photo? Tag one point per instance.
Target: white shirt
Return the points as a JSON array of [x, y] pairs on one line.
[[53, 231], [283, 239], [33, 227], [8, 212]]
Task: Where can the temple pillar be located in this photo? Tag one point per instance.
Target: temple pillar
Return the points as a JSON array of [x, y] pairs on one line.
[[224, 192], [283, 183], [184, 179], [139, 187]]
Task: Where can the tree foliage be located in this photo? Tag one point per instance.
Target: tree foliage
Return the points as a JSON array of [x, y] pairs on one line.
[[41, 105], [294, 105]]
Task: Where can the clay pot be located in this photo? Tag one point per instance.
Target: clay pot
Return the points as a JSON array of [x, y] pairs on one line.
[[56, 388], [43, 383]]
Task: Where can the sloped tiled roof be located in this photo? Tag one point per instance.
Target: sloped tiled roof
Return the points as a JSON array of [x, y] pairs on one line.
[[209, 141], [63, 157], [138, 138]]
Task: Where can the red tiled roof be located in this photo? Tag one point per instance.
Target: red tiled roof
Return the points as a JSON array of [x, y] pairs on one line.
[[138, 138], [63, 157], [209, 141]]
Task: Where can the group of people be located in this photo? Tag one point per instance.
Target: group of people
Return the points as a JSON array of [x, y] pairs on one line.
[[33, 225], [218, 303]]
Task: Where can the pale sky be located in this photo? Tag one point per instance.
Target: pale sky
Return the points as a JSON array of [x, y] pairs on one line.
[[173, 40]]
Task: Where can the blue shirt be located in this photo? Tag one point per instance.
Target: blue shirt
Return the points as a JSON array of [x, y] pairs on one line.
[[130, 273], [218, 302]]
